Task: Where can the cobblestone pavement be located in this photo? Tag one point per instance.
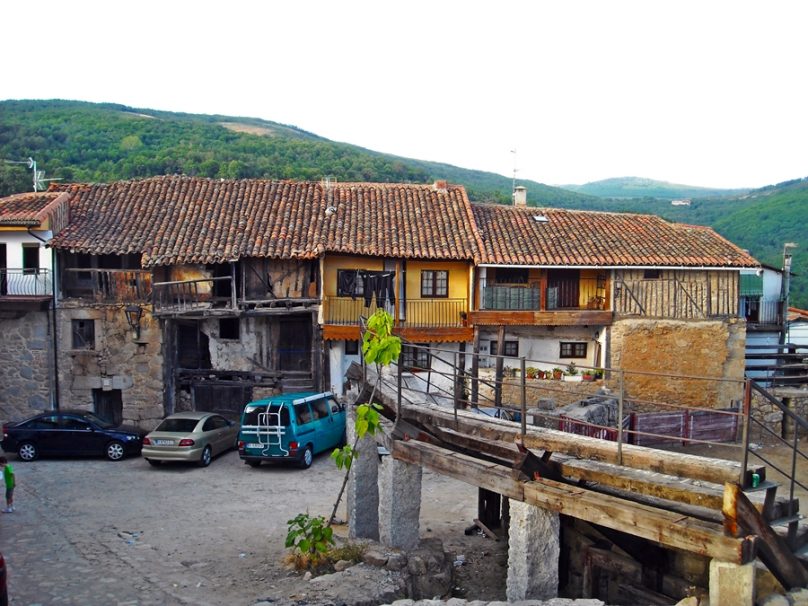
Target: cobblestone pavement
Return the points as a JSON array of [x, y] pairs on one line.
[[90, 532]]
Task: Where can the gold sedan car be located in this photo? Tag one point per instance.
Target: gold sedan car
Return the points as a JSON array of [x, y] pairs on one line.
[[194, 437]]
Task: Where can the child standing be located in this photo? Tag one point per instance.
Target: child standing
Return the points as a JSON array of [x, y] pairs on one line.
[[8, 477]]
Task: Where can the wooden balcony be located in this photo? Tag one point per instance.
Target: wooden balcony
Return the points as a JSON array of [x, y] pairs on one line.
[[202, 296], [554, 303], [107, 285], [430, 320]]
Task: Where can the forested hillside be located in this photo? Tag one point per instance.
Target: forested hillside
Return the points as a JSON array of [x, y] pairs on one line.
[[87, 142], [78, 141], [639, 187]]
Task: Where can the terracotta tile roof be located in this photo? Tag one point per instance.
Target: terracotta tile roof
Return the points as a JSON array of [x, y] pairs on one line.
[[177, 219], [511, 236], [28, 209]]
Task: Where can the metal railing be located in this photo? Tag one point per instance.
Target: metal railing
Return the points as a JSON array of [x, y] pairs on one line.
[[347, 311], [107, 285], [25, 282], [511, 297], [761, 310]]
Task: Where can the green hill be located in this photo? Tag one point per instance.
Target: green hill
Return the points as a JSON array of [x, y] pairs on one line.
[[78, 141], [638, 187]]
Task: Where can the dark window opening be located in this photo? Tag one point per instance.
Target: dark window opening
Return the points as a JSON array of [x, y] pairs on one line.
[[229, 328], [30, 258], [510, 349], [573, 350], [434, 283], [83, 334], [511, 275], [651, 274], [415, 357], [108, 405], [351, 348]]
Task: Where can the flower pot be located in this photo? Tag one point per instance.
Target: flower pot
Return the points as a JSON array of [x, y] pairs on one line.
[[573, 378]]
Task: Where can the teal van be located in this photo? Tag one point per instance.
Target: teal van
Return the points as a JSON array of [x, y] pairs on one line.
[[290, 427]]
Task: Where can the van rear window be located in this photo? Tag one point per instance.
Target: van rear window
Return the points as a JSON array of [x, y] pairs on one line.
[[251, 415]]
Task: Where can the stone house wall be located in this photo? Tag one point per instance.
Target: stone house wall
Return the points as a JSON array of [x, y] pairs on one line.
[[26, 360], [115, 362], [711, 350]]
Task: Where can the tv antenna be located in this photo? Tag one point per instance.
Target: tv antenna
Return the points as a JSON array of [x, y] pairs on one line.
[[328, 184], [515, 170], [39, 180]]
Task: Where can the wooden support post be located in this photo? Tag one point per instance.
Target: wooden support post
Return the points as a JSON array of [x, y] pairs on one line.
[[741, 517]]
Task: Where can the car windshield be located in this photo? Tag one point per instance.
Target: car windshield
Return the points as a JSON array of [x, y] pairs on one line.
[[93, 418], [177, 425]]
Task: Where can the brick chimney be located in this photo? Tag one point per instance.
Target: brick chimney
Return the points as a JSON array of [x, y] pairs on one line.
[[519, 196]]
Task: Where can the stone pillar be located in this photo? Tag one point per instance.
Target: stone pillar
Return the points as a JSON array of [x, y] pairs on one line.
[[399, 503], [732, 584], [363, 489], [534, 549]]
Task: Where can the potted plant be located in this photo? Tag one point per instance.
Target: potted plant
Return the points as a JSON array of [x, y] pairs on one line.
[[530, 372], [557, 373], [540, 374], [571, 374], [588, 375]]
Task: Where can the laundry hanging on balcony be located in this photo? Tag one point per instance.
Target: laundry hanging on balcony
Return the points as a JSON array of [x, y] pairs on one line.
[[379, 284]]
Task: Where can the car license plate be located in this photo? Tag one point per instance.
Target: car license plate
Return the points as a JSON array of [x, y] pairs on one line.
[[255, 445], [164, 442]]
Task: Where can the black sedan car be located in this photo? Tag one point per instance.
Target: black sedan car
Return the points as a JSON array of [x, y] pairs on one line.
[[70, 432]]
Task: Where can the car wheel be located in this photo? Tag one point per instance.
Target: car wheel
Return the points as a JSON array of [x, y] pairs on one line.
[[114, 451], [27, 451], [307, 458], [153, 462], [206, 457], [253, 463]]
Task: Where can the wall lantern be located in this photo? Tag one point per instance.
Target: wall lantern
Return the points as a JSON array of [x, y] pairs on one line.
[[133, 315]]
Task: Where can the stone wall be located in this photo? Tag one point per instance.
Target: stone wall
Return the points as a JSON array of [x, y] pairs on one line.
[[116, 361], [26, 361], [769, 415], [712, 349]]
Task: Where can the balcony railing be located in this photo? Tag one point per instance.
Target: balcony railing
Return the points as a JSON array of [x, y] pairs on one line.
[[107, 285], [675, 299], [437, 313], [347, 311], [25, 282], [760, 310], [190, 295], [587, 293], [417, 313]]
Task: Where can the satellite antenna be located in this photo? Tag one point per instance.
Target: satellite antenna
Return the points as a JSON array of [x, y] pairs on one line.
[[39, 180]]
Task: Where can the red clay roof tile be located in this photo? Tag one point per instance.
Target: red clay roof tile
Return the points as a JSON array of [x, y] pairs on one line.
[[511, 236]]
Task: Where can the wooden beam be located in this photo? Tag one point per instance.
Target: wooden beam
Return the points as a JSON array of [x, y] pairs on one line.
[[336, 332], [666, 528], [742, 517], [436, 334], [537, 438]]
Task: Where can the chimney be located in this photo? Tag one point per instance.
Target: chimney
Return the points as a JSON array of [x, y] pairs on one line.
[[520, 196], [441, 186]]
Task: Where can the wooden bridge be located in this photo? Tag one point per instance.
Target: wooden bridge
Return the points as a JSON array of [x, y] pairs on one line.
[[680, 501]]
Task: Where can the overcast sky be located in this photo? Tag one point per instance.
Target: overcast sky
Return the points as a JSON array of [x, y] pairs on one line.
[[708, 93]]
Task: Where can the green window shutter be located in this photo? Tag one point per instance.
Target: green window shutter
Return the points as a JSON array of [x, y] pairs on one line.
[[751, 285]]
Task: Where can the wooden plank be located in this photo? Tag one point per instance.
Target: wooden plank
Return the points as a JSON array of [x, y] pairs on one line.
[[537, 438], [436, 334], [666, 528], [335, 332], [742, 517]]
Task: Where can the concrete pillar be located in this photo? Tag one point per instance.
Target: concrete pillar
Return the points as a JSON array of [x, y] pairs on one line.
[[732, 584], [534, 549], [399, 503], [363, 489]]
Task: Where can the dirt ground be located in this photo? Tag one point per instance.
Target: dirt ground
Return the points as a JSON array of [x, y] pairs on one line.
[[89, 531]]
